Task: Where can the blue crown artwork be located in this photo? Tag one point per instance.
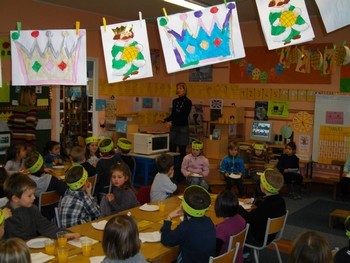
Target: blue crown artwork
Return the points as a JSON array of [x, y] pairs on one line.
[[208, 43]]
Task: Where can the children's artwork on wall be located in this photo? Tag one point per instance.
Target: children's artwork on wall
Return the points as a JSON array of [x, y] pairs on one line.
[[5, 48], [121, 126], [137, 104], [278, 109], [216, 104], [260, 112], [100, 105], [196, 119], [199, 38], [147, 103], [284, 22], [48, 57], [126, 51]]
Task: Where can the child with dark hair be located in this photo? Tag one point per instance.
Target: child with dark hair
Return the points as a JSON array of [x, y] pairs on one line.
[[92, 153], [123, 148], [15, 156], [103, 167], [77, 156], [226, 206], [288, 165], [26, 222], [122, 195], [196, 233], [14, 250], [232, 168], [3, 176], [45, 182], [52, 154], [78, 205], [121, 241], [162, 186]]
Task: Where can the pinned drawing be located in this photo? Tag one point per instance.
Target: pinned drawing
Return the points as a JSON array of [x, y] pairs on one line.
[[126, 51], [199, 38], [44, 57], [284, 22]]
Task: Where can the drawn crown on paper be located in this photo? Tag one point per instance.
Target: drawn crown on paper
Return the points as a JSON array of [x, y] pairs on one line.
[[205, 44], [47, 63]]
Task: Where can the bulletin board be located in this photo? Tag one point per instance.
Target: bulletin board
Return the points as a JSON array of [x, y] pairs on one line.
[[331, 137]]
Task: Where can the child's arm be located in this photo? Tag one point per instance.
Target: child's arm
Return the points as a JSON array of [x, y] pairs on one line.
[[223, 168], [184, 167], [205, 170]]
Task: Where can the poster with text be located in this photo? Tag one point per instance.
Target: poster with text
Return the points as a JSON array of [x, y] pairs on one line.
[[199, 38], [48, 57], [126, 51]]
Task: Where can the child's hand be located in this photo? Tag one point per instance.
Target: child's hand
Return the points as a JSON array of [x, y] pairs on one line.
[[24, 171], [110, 197], [176, 213], [247, 201], [168, 124], [226, 174], [48, 170], [7, 212], [73, 235], [88, 188]]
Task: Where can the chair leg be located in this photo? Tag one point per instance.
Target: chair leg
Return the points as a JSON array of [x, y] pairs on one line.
[[256, 255], [278, 252]]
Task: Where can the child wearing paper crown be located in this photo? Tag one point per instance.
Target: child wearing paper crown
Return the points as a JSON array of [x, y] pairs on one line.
[[103, 167], [45, 182], [196, 234], [270, 205], [4, 214], [78, 205], [123, 148], [92, 153], [195, 166], [77, 156]]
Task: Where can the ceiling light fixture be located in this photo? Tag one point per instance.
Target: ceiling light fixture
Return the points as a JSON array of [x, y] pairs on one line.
[[185, 4]]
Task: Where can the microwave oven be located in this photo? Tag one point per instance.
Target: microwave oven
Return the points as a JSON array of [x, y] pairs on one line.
[[150, 143]]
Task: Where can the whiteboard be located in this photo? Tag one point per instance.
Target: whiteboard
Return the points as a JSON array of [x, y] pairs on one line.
[[325, 104]]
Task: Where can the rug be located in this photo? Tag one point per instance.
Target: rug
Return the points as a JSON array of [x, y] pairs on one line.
[[316, 217]]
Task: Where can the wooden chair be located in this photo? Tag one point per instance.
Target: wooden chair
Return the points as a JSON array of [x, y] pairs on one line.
[[228, 257], [273, 226], [57, 217], [48, 198], [93, 180], [239, 237], [143, 195]]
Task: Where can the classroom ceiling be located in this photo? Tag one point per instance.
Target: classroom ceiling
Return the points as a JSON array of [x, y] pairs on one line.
[[128, 9]]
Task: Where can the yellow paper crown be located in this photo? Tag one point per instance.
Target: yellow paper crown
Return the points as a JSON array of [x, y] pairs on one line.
[[270, 188], [258, 146], [91, 139], [124, 144], [190, 210], [80, 183], [197, 145], [38, 164], [2, 217], [107, 148]]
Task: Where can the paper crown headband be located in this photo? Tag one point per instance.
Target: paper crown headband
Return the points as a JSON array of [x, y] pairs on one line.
[[91, 139], [2, 216], [124, 144], [258, 146], [80, 183], [197, 145], [38, 164], [191, 211], [107, 148], [270, 188]]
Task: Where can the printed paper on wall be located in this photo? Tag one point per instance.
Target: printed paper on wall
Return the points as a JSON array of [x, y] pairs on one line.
[[199, 38], [126, 51]]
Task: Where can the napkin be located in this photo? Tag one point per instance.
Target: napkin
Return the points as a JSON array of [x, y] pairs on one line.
[[150, 236], [97, 259], [77, 242], [245, 206], [100, 225], [40, 257]]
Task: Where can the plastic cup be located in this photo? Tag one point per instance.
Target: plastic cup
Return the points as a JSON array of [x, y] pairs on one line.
[[86, 246], [50, 246], [161, 205], [62, 238], [62, 254]]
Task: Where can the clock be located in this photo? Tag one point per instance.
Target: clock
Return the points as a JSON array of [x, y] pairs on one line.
[[302, 121]]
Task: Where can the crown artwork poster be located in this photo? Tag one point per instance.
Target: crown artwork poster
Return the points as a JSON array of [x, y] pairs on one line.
[[45, 57], [199, 38], [126, 51]]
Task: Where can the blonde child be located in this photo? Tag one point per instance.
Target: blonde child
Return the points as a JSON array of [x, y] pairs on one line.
[[122, 195], [123, 148], [15, 156], [92, 153], [120, 241], [195, 166], [52, 153], [232, 168], [14, 250]]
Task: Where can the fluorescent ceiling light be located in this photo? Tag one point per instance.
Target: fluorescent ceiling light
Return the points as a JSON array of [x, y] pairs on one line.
[[185, 4]]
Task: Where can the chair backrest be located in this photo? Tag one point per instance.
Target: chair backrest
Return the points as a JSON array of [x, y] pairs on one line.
[[239, 237], [93, 180], [133, 172], [275, 226], [3, 201], [48, 198], [143, 195], [228, 257], [57, 217]]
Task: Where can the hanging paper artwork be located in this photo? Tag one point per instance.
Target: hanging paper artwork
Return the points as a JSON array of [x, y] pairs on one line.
[[199, 38], [48, 57], [284, 22], [126, 51]]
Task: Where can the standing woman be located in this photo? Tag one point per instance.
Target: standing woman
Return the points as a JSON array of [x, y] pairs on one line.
[[23, 120], [178, 124]]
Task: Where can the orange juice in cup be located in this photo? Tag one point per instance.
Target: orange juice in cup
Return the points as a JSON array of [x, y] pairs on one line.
[[86, 246], [161, 205], [50, 247], [62, 238], [62, 254]]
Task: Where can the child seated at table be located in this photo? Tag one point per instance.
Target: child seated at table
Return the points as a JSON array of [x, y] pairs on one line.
[[45, 182], [26, 221], [78, 205], [232, 168], [162, 186], [14, 250], [123, 149], [196, 233], [226, 206], [92, 153], [120, 241], [15, 157], [77, 156], [3, 176], [195, 166], [4, 214], [122, 195], [52, 154], [103, 167]]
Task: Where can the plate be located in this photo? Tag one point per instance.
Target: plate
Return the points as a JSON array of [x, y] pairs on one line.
[[234, 176], [347, 175], [149, 208], [58, 167], [37, 242], [196, 175], [260, 173], [99, 225]]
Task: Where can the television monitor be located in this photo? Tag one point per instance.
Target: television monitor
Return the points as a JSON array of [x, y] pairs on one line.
[[261, 131]]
